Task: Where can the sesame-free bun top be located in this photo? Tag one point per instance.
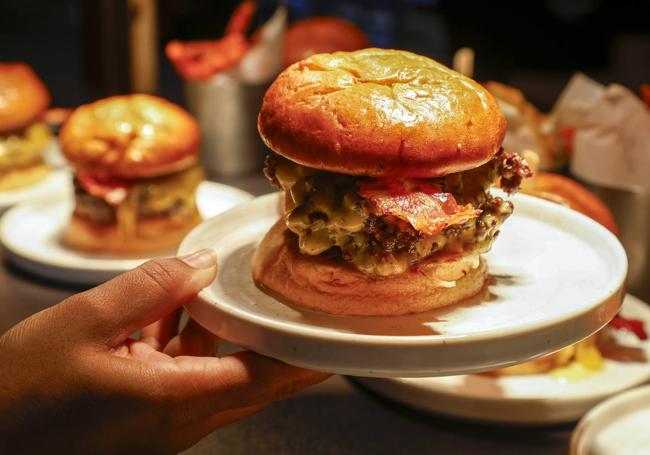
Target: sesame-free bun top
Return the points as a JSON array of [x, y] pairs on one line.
[[23, 97], [131, 136], [380, 112]]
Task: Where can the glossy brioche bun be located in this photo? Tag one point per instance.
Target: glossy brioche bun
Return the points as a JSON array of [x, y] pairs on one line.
[[154, 235], [330, 286], [380, 112], [132, 136], [23, 97], [315, 35]]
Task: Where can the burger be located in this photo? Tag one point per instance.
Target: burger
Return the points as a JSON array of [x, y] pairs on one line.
[[23, 137], [136, 174], [385, 159]]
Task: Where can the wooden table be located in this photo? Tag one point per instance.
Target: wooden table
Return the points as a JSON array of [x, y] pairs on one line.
[[336, 417]]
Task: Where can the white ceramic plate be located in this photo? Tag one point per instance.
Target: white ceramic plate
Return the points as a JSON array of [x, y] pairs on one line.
[[31, 232], [618, 426], [557, 278], [526, 399], [56, 183], [53, 156]]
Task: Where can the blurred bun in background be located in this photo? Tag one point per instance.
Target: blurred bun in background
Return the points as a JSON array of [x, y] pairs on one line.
[[317, 35], [23, 97], [23, 138]]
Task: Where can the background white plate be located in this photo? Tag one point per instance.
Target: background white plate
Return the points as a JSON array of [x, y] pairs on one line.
[[535, 398], [557, 278], [618, 426], [58, 182], [31, 236]]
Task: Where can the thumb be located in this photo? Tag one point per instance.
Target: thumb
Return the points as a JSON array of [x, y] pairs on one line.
[[116, 309]]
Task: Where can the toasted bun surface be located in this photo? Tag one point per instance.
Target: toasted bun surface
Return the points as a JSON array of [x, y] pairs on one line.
[[159, 234], [133, 136], [321, 34], [380, 112], [23, 97], [330, 286]]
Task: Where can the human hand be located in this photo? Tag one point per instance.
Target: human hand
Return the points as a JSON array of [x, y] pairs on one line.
[[72, 379]]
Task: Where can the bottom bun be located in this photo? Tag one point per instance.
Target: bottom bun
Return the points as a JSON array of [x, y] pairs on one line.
[[22, 177], [331, 286], [153, 235]]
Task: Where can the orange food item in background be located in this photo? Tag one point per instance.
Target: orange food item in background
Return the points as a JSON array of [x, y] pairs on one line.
[[241, 19], [645, 93], [200, 60], [321, 34], [56, 115], [564, 190]]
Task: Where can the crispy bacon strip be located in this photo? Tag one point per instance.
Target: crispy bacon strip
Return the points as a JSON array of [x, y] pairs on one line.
[[633, 325], [112, 190], [425, 206]]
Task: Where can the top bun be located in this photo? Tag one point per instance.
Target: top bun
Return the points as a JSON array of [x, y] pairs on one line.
[[23, 97], [380, 112], [132, 136]]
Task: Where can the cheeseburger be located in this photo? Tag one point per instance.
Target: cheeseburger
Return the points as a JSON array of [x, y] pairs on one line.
[[23, 137], [386, 159], [136, 175]]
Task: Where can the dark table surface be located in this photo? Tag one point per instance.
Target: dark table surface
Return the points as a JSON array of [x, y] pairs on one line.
[[337, 416]]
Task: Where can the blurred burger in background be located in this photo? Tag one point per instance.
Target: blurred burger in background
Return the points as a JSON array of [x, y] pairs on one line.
[[528, 128], [321, 34], [23, 137], [136, 177]]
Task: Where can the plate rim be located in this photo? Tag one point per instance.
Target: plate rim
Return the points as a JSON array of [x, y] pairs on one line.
[[36, 191], [411, 385], [21, 257], [421, 340], [600, 411]]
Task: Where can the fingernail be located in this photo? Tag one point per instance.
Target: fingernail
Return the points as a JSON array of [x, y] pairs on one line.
[[202, 259]]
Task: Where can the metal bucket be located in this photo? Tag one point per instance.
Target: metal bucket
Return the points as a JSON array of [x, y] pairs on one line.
[[631, 209], [226, 110]]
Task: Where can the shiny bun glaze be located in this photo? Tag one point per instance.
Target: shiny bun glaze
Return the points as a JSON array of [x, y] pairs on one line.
[[379, 112], [130, 137], [330, 286], [23, 97]]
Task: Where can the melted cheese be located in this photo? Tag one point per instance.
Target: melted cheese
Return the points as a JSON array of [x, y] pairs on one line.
[[24, 148], [325, 214], [572, 363], [157, 196]]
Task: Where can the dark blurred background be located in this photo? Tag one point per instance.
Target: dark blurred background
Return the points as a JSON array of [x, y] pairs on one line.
[[80, 47]]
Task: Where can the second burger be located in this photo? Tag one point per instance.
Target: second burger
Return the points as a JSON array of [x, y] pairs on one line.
[[135, 158]]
